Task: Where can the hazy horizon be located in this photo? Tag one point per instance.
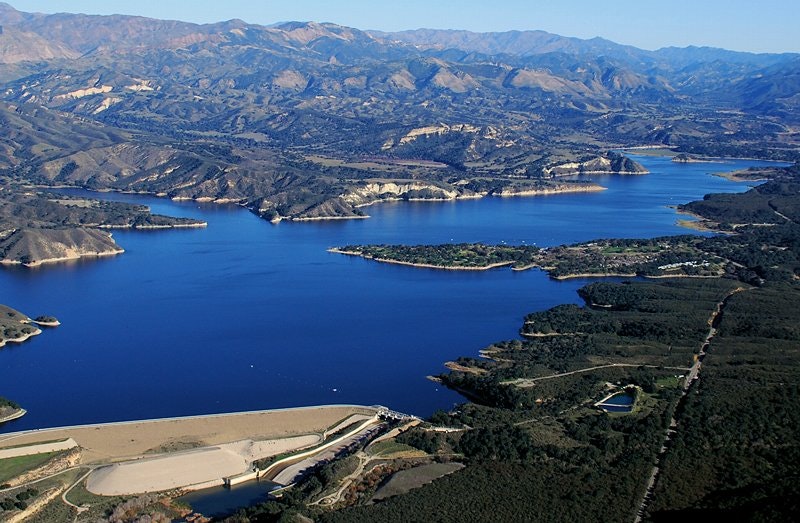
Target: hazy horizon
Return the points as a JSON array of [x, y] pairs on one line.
[[766, 27]]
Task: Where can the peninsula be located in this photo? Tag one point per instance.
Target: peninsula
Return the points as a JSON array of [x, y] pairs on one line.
[[699, 354], [39, 227], [674, 256], [16, 327], [772, 204]]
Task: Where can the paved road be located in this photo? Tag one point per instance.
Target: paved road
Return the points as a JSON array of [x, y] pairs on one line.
[[291, 473], [694, 375], [287, 468]]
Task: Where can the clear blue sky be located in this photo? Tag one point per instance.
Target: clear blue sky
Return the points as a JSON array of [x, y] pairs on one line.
[[741, 25]]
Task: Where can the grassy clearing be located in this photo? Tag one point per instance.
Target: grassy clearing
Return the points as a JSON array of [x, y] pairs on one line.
[[669, 382], [390, 447], [82, 497], [99, 506], [62, 479], [406, 480], [13, 467]]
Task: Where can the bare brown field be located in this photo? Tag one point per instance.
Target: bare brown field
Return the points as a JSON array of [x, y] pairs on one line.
[[127, 440]]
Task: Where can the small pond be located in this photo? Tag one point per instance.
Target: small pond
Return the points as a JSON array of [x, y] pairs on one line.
[[620, 402], [220, 502]]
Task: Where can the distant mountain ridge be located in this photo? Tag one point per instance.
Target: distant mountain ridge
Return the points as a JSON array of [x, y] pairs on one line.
[[530, 43], [84, 33], [293, 119], [519, 43]]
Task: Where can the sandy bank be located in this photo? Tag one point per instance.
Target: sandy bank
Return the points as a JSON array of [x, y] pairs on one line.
[[14, 415], [46, 323], [698, 223], [208, 465], [422, 265], [20, 339], [547, 192], [454, 366], [40, 448], [71, 257], [319, 218], [157, 474], [595, 275], [561, 189], [614, 173], [193, 225], [527, 267]]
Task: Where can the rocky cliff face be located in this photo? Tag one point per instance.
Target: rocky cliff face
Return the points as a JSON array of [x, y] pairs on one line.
[[382, 191], [608, 163]]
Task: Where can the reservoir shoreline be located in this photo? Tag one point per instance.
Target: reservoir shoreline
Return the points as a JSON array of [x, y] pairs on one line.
[[269, 317]]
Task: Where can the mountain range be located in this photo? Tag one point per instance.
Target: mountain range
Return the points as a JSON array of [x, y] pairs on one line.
[[297, 120]]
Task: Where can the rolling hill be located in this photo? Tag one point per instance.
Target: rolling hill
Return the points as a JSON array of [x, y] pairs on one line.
[[292, 120]]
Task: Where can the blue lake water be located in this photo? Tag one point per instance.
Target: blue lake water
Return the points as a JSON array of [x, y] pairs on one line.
[[247, 315], [621, 402], [623, 399], [219, 502]]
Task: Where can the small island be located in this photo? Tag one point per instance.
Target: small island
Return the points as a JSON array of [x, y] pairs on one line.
[[46, 321]]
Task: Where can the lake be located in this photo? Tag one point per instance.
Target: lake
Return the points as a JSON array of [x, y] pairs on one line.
[[219, 502], [249, 315], [620, 402]]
